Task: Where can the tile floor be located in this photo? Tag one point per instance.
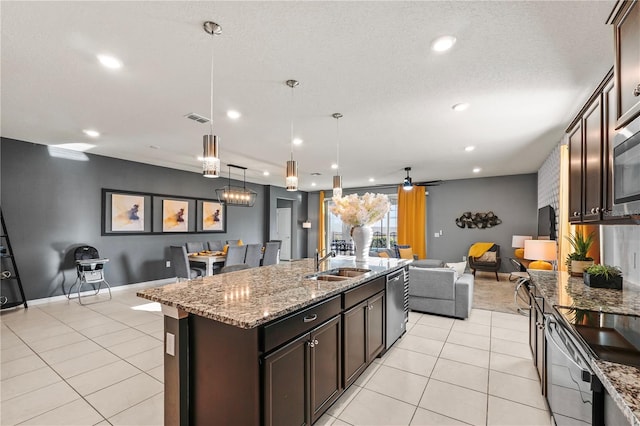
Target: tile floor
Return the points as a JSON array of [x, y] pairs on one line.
[[101, 364]]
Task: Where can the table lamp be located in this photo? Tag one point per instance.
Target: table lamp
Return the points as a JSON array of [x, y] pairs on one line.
[[517, 242], [541, 251]]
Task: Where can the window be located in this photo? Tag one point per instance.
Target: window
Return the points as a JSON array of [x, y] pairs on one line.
[[384, 231]]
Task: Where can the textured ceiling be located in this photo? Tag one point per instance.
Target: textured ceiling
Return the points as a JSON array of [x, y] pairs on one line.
[[526, 67]]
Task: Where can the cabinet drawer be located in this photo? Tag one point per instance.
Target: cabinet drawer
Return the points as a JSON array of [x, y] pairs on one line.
[[291, 326], [354, 296]]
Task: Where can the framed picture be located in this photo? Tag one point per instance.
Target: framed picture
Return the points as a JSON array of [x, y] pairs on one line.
[[125, 212], [175, 215], [212, 216]]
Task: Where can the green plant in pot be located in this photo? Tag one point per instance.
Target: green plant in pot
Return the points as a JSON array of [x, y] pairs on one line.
[[578, 260], [603, 276]]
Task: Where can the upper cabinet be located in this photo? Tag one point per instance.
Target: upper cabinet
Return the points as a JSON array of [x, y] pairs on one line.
[[590, 170], [626, 24]]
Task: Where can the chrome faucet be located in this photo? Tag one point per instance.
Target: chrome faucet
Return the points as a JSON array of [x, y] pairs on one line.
[[319, 260]]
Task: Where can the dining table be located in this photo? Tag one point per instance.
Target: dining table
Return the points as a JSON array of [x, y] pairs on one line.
[[209, 258]]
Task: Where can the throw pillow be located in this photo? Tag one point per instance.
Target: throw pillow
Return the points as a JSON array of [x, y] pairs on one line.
[[225, 249], [459, 267], [240, 243], [488, 256], [406, 253], [383, 254]]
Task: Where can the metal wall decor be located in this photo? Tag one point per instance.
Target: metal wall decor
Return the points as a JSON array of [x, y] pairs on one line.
[[478, 220]]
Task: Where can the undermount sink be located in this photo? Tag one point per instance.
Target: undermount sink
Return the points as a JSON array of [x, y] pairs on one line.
[[328, 278], [350, 272]]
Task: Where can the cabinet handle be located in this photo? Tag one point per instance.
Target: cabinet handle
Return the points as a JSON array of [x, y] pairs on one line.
[[540, 325], [597, 209], [310, 318], [576, 214], [370, 307], [636, 91], [312, 343]]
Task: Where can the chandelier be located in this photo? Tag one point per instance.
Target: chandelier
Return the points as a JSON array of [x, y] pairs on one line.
[[236, 195]]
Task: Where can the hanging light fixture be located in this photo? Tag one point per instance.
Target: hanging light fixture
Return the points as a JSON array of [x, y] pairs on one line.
[[337, 179], [407, 185], [235, 195], [210, 158], [291, 180]]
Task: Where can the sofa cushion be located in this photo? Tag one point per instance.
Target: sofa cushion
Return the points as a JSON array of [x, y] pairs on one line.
[[435, 283], [427, 263], [459, 267]]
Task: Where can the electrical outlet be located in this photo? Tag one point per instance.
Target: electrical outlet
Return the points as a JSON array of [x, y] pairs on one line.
[[168, 264], [464, 258]]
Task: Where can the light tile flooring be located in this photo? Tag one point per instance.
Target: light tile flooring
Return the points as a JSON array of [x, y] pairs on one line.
[[100, 364]]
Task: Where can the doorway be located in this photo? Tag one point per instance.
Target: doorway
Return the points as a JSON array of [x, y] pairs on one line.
[[283, 231]]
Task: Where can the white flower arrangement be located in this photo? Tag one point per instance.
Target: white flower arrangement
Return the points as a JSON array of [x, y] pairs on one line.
[[360, 211]]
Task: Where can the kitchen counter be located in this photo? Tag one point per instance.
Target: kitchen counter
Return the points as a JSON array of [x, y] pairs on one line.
[[252, 297], [622, 382]]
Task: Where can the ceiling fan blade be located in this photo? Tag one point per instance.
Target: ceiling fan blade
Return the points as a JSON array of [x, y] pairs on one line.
[[428, 183]]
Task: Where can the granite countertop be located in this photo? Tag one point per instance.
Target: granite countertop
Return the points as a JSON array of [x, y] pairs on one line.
[[622, 382], [251, 297]]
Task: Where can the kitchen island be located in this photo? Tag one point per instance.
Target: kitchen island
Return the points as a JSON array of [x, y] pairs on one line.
[[621, 382], [244, 347]]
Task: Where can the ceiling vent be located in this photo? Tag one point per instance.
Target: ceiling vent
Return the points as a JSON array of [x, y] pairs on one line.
[[197, 117]]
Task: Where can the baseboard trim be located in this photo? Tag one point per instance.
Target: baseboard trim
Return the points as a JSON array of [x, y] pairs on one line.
[[145, 284]]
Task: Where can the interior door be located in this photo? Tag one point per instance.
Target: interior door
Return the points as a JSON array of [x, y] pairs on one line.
[[283, 217]]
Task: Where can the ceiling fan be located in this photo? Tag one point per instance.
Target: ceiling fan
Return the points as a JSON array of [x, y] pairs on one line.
[[407, 184]]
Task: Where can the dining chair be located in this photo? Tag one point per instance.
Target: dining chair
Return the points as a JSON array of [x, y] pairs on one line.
[[233, 242], [181, 265], [253, 255], [235, 255], [271, 253], [195, 247], [233, 268], [216, 245]]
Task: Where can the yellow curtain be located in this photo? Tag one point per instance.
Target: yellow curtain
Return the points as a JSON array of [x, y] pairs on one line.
[[412, 215], [321, 238]]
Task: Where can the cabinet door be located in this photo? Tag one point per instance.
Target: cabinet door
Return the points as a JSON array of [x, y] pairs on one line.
[[355, 350], [325, 366], [609, 133], [285, 385], [592, 190], [540, 344], [575, 173], [627, 65], [375, 326]]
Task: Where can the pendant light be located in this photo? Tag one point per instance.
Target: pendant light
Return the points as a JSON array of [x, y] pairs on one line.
[[291, 181], [337, 179], [235, 195], [210, 158]]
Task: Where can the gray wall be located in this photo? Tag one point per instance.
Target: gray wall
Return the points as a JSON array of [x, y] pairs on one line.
[[512, 198], [52, 205]]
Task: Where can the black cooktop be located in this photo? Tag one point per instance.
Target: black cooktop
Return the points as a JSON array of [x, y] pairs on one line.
[[611, 337]]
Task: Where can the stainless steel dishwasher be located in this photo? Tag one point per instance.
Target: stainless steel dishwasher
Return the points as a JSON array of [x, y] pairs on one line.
[[397, 295]]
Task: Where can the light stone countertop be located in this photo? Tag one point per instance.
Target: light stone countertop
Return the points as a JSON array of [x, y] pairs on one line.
[[622, 382], [251, 297]]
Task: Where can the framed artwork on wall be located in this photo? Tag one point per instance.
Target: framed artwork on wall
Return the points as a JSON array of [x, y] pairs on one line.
[[175, 215], [212, 216], [126, 212]]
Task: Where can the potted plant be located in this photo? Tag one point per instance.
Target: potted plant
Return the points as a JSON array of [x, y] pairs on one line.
[[578, 260], [603, 276]]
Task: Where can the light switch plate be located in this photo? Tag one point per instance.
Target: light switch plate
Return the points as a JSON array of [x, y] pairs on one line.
[[168, 264], [171, 344]]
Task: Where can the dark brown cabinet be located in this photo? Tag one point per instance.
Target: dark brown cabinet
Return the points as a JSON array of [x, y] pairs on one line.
[[537, 341], [626, 25], [590, 163], [303, 378]]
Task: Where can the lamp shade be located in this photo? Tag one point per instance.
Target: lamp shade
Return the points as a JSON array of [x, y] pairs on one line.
[[540, 250], [306, 224], [517, 241]]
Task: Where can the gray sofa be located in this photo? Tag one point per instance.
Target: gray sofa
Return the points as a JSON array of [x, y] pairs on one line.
[[437, 291]]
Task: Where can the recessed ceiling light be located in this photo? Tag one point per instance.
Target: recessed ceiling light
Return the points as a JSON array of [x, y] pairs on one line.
[[313, 184], [460, 107], [372, 180], [110, 61], [297, 141], [469, 148], [442, 44], [265, 173], [91, 133], [234, 115], [334, 166], [477, 170]]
